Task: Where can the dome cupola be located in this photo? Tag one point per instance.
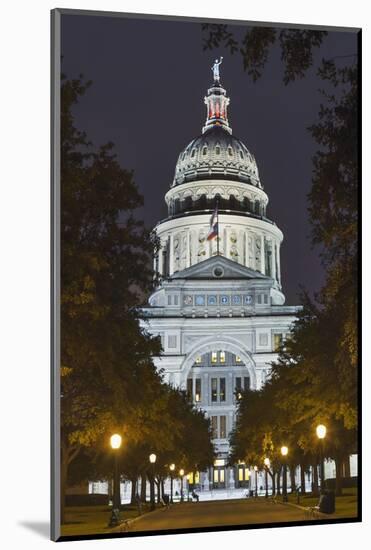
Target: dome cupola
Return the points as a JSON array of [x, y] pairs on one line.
[[216, 153]]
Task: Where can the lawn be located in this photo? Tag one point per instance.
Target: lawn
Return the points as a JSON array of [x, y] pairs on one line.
[[87, 520], [345, 506]]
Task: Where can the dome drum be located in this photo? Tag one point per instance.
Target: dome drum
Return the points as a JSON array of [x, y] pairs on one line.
[[203, 203]]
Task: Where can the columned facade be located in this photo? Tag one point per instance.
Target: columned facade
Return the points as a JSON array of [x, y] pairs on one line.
[[219, 307]]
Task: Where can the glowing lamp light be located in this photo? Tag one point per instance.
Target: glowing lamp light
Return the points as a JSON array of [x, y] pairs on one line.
[[181, 472], [267, 462], [152, 458], [255, 468], [284, 450], [197, 397], [188, 476], [115, 441], [172, 467], [321, 431]]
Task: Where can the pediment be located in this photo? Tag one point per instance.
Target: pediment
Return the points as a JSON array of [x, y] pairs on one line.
[[218, 267]]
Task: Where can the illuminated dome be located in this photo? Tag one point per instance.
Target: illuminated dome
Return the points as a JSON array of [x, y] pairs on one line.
[[216, 154]]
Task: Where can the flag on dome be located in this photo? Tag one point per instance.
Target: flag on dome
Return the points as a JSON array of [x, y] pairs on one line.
[[214, 228]]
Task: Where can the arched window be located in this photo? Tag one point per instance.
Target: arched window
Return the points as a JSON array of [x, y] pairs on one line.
[[257, 207], [203, 202], [241, 154], [232, 202], [217, 149], [193, 152], [188, 202], [246, 204], [176, 208], [204, 150], [230, 152]]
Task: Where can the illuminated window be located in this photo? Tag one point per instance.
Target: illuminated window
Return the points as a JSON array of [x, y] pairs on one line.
[[221, 475], [238, 359], [190, 478], [198, 360], [247, 474], [214, 389], [216, 477], [214, 427], [223, 427], [222, 356], [198, 390], [277, 341], [222, 389], [197, 477], [214, 357], [240, 474]]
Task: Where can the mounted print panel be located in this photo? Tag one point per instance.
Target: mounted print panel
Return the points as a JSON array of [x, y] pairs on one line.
[[205, 304]]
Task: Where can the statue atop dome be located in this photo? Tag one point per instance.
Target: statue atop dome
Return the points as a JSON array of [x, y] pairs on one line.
[[215, 69]]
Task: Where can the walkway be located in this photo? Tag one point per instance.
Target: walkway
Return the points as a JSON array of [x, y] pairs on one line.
[[218, 513]]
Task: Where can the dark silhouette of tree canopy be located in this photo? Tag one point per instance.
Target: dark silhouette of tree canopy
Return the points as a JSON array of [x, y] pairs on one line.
[[108, 379], [315, 377], [296, 46]]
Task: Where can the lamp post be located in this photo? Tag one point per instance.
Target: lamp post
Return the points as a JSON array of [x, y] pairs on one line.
[[188, 478], [115, 442], [267, 464], [256, 481], [171, 468], [181, 473], [152, 460], [321, 434], [284, 452]]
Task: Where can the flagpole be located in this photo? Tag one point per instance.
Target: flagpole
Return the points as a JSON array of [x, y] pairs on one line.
[[217, 232]]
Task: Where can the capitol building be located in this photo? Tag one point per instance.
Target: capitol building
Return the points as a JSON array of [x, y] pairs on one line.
[[219, 307]]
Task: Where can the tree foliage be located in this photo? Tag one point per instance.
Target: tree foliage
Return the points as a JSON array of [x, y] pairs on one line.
[[296, 47], [315, 377], [108, 379]]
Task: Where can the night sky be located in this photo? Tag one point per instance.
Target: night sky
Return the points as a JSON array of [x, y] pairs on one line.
[[149, 81]]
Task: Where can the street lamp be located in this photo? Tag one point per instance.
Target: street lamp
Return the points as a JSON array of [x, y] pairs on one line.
[[284, 452], [256, 481], [321, 434], [171, 468], [181, 473], [188, 478], [152, 460], [115, 442], [267, 464]]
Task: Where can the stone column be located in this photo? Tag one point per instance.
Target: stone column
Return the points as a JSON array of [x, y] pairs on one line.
[[247, 249], [274, 275], [171, 254], [230, 389], [278, 263], [160, 260], [188, 257], [206, 481], [231, 477], [262, 252], [206, 390]]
